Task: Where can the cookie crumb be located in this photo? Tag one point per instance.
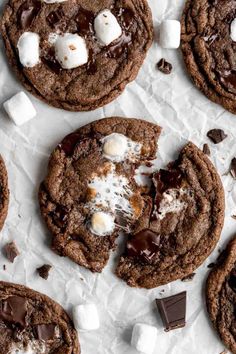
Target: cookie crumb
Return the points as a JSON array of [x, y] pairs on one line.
[[206, 149], [44, 271], [216, 135], [233, 168], [11, 251], [188, 277], [4, 267], [164, 66]]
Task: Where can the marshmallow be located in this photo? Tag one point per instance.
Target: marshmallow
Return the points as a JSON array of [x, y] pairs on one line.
[[86, 317], [53, 1], [233, 30], [28, 47], [106, 27], [19, 108], [102, 223], [115, 147], [170, 34], [144, 338], [71, 51]]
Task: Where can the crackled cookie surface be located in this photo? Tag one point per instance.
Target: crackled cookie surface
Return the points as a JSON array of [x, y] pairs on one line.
[[76, 54], [33, 323], [221, 296], [4, 192], [209, 48]]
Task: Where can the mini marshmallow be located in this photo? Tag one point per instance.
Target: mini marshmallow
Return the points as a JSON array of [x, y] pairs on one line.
[[170, 34], [86, 317], [144, 338], [233, 30], [28, 47], [102, 223], [106, 27], [71, 51], [19, 108], [115, 147]]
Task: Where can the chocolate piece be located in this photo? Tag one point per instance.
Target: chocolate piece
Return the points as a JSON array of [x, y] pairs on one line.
[[233, 168], [11, 251], [4, 267], [216, 135], [27, 13], [144, 244], [45, 331], [188, 277], [206, 149], [211, 265], [14, 309], [84, 20], [44, 271], [56, 19], [233, 216], [164, 66], [173, 311], [232, 280]]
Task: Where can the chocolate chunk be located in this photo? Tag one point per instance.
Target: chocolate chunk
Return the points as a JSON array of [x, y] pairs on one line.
[[206, 149], [144, 244], [27, 13], [232, 280], [233, 216], [173, 311], [126, 18], [216, 135], [164, 66], [11, 251], [233, 168], [55, 19], [211, 265], [84, 20], [188, 277], [14, 309], [45, 331], [4, 267], [44, 271], [50, 60]]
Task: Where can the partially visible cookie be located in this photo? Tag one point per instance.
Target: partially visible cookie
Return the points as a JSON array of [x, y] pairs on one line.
[[209, 48], [4, 192], [31, 322], [181, 225], [221, 296]]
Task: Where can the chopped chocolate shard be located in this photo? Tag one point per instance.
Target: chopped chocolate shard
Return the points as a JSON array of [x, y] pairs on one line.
[[14, 309], [164, 66], [173, 311], [206, 149], [27, 13], [45, 331], [44, 271], [188, 277], [216, 135], [11, 251], [233, 168], [145, 244]]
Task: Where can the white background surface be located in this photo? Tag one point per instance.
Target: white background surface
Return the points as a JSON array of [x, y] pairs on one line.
[[185, 114]]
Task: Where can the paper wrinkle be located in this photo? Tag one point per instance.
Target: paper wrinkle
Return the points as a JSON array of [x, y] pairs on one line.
[[171, 101]]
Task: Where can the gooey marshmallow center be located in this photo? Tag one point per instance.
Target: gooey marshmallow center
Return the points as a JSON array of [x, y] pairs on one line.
[[71, 50], [233, 30], [107, 28], [28, 47], [102, 223]]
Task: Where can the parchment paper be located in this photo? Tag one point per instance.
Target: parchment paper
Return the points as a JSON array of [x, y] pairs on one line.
[[185, 114]]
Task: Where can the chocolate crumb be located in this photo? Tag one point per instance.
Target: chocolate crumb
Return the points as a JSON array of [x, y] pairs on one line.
[[188, 277], [216, 135], [211, 265], [11, 251], [233, 168], [4, 267], [233, 216], [44, 271], [206, 149], [164, 66]]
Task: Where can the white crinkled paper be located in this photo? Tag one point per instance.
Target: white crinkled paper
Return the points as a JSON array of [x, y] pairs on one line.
[[185, 114]]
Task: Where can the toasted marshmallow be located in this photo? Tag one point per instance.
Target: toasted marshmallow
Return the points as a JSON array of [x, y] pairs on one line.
[[115, 147], [106, 27], [144, 338], [102, 224], [28, 47], [86, 317], [233, 30], [71, 51], [170, 34]]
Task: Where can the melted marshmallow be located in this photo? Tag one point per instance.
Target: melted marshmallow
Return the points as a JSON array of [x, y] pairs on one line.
[[171, 202], [33, 347], [28, 48], [233, 30], [102, 224]]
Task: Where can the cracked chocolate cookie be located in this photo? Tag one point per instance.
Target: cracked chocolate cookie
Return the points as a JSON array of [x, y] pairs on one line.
[[77, 54], [4, 193], [90, 192], [221, 296], [209, 48], [31, 322]]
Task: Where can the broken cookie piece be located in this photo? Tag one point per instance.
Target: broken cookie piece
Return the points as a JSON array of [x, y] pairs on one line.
[[11, 251]]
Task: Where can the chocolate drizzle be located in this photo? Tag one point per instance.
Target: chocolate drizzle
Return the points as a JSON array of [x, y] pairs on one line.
[[27, 13], [14, 310], [144, 244]]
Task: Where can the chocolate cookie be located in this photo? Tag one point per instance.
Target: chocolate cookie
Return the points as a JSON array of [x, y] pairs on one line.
[[90, 192], [78, 54], [4, 193], [31, 322], [221, 296], [209, 48], [181, 224]]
